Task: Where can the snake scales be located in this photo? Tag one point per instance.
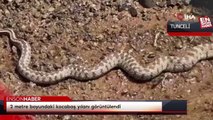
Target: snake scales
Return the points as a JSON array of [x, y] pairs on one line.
[[120, 60]]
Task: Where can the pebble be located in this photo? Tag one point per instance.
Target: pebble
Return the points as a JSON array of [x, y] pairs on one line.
[[93, 8], [133, 11], [9, 0], [147, 3], [67, 117], [95, 44], [187, 2], [100, 37], [110, 48], [179, 45], [125, 5], [81, 41], [124, 92], [151, 55], [188, 91], [7, 12]]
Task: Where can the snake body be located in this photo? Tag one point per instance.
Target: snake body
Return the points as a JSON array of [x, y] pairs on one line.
[[120, 60]]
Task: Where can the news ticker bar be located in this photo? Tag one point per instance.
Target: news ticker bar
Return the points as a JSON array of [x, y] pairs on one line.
[[187, 28], [64, 105]]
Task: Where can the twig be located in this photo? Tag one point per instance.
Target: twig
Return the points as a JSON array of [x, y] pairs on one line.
[[156, 38]]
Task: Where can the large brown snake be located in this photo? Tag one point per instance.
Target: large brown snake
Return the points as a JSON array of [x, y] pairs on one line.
[[120, 60]]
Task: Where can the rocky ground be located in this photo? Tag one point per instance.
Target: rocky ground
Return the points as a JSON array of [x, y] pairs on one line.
[[61, 31]]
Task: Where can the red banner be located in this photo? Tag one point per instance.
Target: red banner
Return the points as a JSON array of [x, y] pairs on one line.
[[190, 33]]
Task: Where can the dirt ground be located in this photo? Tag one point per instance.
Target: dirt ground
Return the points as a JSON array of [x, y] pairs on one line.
[[83, 31]]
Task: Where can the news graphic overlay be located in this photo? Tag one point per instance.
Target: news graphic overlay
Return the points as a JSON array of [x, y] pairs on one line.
[[65, 105], [188, 28]]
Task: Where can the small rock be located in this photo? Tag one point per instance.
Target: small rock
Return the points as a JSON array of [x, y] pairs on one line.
[[120, 16], [125, 92], [93, 8], [81, 41], [151, 55], [67, 117], [100, 37], [188, 91], [95, 44], [133, 11], [123, 6], [147, 3], [7, 12], [179, 45], [187, 2], [51, 9], [114, 26], [161, 4], [110, 47]]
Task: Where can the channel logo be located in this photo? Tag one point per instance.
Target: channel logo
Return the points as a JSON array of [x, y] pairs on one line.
[[205, 22], [184, 17]]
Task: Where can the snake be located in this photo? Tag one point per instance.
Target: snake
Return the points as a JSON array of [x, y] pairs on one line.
[[122, 60]]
